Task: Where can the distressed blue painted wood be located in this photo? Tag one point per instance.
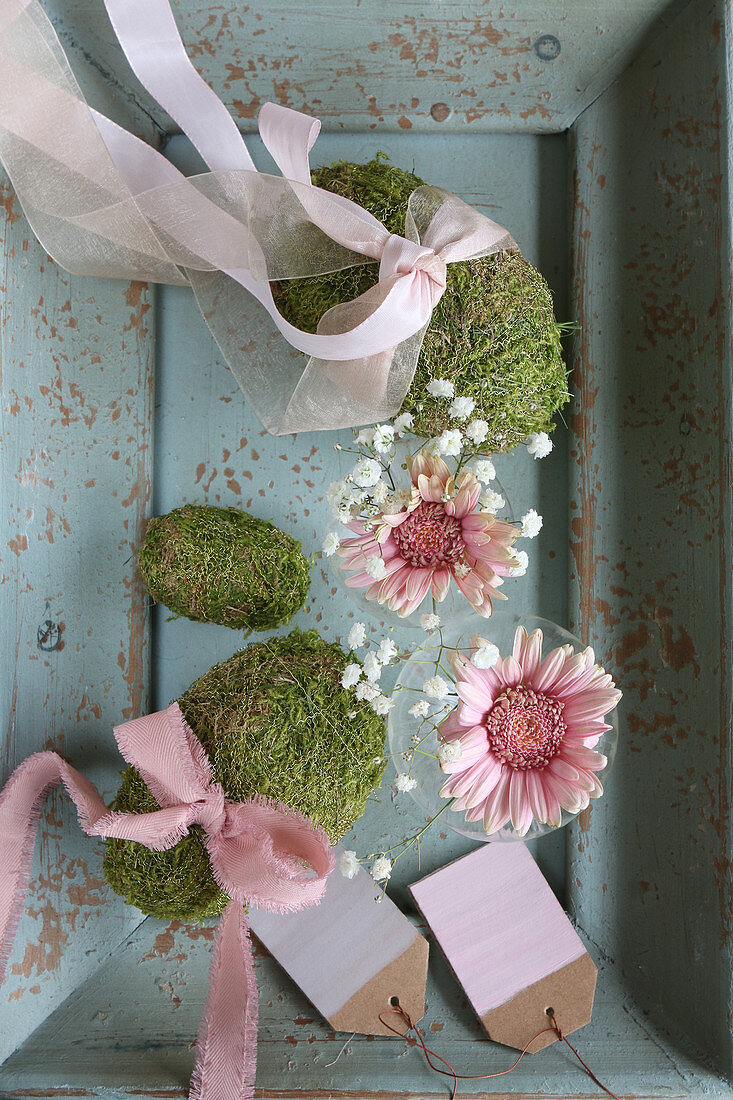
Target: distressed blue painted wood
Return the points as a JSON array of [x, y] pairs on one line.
[[77, 360], [651, 518], [632, 114], [390, 67]]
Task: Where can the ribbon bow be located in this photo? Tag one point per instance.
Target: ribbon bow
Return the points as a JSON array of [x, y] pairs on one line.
[[103, 202], [261, 853]]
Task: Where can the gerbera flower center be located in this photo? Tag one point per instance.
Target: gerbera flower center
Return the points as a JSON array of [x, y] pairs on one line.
[[430, 537], [525, 728]]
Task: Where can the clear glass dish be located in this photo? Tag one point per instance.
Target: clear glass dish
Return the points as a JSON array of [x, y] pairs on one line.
[[402, 726]]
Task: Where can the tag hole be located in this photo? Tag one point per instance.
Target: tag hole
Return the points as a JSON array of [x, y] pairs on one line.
[[550, 1011], [395, 1002]]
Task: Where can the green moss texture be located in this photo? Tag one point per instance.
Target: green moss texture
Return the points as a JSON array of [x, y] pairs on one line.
[[493, 333], [275, 721], [221, 565]]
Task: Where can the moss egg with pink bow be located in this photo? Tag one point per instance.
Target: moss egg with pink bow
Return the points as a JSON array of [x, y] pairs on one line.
[[275, 721], [493, 334]]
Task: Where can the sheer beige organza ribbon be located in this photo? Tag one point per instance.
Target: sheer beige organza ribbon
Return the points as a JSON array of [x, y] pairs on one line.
[[104, 203]]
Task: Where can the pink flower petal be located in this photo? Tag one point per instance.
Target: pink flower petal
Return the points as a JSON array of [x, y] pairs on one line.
[[511, 672], [519, 808], [548, 671], [441, 583], [417, 584], [431, 489], [536, 795], [583, 757], [570, 797], [470, 715], [453, 724], [474, 695], [528, 651], [460, 784], [487, 777], [496, 811], [563, 769], [476, 521]]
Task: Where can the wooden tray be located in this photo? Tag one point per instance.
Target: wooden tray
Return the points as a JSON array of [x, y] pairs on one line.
[[116, 406]]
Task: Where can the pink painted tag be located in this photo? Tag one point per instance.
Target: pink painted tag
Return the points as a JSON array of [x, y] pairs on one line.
[[350, 955], [509, 943]]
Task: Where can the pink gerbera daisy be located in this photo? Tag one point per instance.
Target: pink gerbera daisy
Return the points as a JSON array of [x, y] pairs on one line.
[[528, 730], [439, 535]]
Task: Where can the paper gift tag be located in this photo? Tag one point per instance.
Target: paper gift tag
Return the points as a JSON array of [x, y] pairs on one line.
[[350, 955], [509, 943]]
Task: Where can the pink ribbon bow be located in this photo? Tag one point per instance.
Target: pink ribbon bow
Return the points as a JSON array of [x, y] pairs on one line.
[[103, 202], [261, 853]]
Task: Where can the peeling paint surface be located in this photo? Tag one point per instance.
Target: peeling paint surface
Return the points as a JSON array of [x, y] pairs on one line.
[[382, 66], [100, 1001], [651, 521], [76, 410]]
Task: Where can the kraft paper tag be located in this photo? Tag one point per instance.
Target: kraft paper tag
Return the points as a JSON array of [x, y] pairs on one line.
[[509, 944], [350, 955]]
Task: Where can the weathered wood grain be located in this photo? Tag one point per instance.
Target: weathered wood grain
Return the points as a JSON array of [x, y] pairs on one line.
[[364, 65], [650, 866], [130, 1028], [76, 358]]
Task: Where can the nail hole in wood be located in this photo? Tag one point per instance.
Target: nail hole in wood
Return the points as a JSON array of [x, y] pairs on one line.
[[547, 47], [440, 111]]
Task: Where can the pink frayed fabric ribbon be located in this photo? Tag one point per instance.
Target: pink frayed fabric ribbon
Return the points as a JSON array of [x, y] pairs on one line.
[[261, 853], [102, 202]]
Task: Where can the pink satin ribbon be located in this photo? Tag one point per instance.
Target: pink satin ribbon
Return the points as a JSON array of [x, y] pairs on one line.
[[261, 853], [104, 203]]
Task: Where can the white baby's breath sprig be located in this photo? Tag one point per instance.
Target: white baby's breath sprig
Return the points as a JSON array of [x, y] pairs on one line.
[[372, 667], [436, 688], [531, 524], [366, 472], [521, 558], [491, 501], [357, 636], [381, 869], [387, 651], [440, 387], [450, 442], [539, 444], [402, 423], [421, 709], [366, 692], [449, 751], [405, 782], [381, 704], [461, 408], [351, 675], [485, 470], [330, 544], [348, 863], [336, 491], [485, 654], [430, 621], [384, 435], [376, 568], [477, 431]]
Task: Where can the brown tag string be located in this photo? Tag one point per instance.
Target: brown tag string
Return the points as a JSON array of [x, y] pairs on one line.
[[450, 1072]]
